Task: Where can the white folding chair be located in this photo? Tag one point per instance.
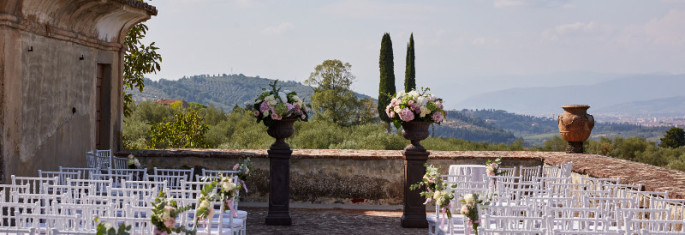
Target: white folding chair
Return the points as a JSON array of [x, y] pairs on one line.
[[62, 176], [119, 163], [188, 173], [136, 174], [566, 169], [508, 171], [550, 171], [215, 173], [528, 172], [500, 225], [84, 173], [36, 183], [656, 227]]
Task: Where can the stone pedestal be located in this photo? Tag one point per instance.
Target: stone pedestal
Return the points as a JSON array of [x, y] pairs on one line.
[[415, 156], [279, 187], [414, 212], [279, 174]]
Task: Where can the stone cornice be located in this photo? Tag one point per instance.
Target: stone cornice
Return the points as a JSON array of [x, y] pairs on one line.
[[101, 24]]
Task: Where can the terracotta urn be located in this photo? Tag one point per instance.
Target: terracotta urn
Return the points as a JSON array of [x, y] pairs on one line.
[[575, 126], [415, 131]]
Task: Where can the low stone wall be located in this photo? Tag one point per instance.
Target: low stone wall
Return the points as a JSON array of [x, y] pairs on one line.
[[375, 177], [328, 176]]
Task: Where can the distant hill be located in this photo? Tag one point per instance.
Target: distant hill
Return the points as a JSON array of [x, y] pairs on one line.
[[657, 107], [548, 100], [535, 130]]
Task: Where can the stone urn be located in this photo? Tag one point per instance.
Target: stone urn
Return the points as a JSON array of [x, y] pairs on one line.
[[575, 126], [280, 130], [415, 132], [415, 156], [279, 173]]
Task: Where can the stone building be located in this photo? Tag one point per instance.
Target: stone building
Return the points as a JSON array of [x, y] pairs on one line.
[[61, 66]]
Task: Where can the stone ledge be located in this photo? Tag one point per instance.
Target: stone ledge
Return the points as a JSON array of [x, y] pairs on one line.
[[652, 178]]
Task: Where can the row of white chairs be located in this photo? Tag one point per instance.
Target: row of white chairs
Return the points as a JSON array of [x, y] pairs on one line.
[[41, 204], [553, 201]]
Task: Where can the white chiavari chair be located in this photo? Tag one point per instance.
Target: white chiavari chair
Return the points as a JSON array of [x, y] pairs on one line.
[[61, 176], [84, 173], [528, 172], [136, 174], [119, 163]]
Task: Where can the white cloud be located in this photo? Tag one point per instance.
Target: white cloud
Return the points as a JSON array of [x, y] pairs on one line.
[[377, 10], [532, 3], [278, 29], [577, 30]]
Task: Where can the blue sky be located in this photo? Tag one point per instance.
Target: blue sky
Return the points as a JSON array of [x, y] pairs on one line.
[[463, 47]]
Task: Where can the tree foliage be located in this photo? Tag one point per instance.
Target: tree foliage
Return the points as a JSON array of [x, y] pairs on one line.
[[139, 59], [675, 137], [185, 130], [386, 88], [332, 99], [410, 70]]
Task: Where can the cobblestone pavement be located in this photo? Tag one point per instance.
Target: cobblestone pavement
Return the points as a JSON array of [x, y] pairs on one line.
[[331, 221]]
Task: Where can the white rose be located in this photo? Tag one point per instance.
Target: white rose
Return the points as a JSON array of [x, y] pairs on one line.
[[204, 204], [414, 93], [166, 215], [397, 109], [271, 100], [424, 111], [437, 195], [469, 199], [266, 113], [421, 101]]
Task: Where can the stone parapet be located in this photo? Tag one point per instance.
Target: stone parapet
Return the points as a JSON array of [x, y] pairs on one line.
[[375, 176]]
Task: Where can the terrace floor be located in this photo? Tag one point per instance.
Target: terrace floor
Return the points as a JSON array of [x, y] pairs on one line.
[[331, 221]]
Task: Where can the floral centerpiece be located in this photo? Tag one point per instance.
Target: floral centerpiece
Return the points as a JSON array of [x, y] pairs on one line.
[[415, 106], [274, 104], [469, 209], [164, 212], [243, 172], [133, 162], [436, 190]]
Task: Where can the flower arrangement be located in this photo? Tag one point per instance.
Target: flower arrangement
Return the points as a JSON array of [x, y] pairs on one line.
[[164, 212], [133, 162], [227, 192], [436, 189], [243, 172], [104, 228], [469, 209], [275, 104], [411, 106], [492, 167]]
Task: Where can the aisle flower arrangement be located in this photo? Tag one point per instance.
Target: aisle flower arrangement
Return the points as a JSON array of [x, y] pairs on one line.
[[469, 209], [133, 162], [492, 167], [226, 193], [274, 104], [104, 228], [243, 169], [164, 213], [415, 106], [436, 190]]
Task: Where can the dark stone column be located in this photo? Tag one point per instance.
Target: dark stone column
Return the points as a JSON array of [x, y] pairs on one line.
[[279, 184], [414, 213]]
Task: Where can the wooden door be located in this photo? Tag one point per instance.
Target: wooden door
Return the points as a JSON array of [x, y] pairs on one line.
[[98, 106]]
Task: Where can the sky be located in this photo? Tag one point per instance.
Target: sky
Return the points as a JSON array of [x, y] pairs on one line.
[[463, 47]]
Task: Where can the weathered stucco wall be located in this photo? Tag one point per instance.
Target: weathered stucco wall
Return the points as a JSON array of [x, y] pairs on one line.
[[49, 56]]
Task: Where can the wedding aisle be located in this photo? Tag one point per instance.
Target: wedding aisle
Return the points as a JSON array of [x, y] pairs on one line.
[[331, 221]]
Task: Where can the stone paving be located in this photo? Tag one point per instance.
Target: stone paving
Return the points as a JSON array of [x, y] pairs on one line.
[[331, 221]]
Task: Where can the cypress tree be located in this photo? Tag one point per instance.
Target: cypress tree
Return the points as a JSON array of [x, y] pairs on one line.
[[386, 89], [410, 71]]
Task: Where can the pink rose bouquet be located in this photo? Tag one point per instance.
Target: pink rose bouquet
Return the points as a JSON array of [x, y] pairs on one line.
[[274, 104], [415, 106]]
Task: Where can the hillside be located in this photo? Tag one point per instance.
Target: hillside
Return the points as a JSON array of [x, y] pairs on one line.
[[224, 91], [535, 130], [548, 100]]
